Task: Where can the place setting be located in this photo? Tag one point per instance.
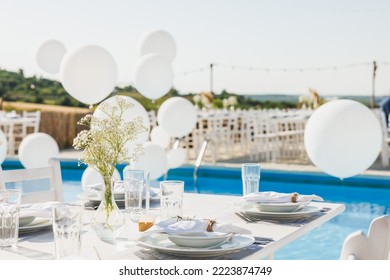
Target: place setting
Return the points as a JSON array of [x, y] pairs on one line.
[[34, 218], [193, 237], [282, 208]]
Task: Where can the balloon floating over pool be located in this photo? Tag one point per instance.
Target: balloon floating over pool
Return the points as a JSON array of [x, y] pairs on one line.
[[343, 138], [93, 180], [50, 55], [89, 73], [153, 160], [153, 76], [160, 137], [37, 149], [177, 116], [176, 157], [129, 115], [159, 42]]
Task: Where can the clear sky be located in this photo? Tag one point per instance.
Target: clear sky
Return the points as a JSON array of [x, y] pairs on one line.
[[272, 34]]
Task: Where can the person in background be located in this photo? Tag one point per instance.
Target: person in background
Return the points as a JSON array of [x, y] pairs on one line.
[[385, 107]]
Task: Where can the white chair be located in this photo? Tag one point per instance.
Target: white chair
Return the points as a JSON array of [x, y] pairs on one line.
[[52, 172], [374, 246], [34, 120]]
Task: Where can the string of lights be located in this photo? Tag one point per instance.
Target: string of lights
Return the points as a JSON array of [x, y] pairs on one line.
[[297, 69]]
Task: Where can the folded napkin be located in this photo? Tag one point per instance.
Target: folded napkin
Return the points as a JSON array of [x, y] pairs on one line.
[[43, 210], [194, 226], [275, 197]]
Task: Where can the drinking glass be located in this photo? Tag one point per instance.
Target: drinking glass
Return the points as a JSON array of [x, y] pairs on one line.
[[67, 226], [250, 173], [9, 217], [134, 188], [171, 199]]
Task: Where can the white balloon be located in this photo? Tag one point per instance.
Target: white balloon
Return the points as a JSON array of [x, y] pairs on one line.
[[160, 137], [50, 55], [159, 42], [37, 149], [343, 138], [89, 73], [153, 76], [176, 157], [177, 116], [92, 178], [3, 146], [153, 160], [136, 111]]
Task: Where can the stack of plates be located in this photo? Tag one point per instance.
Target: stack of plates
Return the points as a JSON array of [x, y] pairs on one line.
[[196, 245], [280, 210], [29, 224]]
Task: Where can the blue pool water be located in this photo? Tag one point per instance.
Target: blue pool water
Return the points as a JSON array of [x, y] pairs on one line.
[[365, 197]]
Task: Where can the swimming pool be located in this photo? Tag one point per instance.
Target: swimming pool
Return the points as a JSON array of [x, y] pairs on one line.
[[365, 197]]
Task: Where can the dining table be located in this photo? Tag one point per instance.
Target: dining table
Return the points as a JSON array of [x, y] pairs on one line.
[[269, 235]]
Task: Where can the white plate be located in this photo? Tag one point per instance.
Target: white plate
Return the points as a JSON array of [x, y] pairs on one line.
[[252, 210], [38, 224], [25, 220], [95, 197], [279, 207], [200, 240], [161, 243]]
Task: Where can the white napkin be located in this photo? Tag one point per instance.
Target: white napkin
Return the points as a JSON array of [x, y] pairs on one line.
[[194, 226], [43, 210], [275, 197]]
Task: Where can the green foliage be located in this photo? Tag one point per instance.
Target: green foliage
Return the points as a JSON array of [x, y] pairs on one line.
[[14, 86]]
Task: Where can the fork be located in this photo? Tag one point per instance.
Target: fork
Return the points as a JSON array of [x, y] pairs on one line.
[[250, 219]]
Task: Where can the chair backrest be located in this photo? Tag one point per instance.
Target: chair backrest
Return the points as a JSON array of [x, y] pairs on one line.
[[34, 120], [52, 172], [374, 246]]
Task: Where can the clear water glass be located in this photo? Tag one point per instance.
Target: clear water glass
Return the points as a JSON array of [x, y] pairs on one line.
[[9, 217], [171, 199], [134, 189], [67, 229], [250, 173]]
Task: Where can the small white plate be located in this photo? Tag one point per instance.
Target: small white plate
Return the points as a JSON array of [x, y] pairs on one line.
[[200, 240], [160, 242], [279, 207], [252, 210], [25, 220], [38, 224]]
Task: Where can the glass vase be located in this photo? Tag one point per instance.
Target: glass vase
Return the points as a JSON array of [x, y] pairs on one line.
[[108, 221]]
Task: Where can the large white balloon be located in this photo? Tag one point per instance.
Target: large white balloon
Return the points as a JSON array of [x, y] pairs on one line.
[[159, 42], [160, 137], [37, 149], [136, 111], [92, 179], [153, 160], [3, 146], [177, 116], [343, 138], [89, 73], [50, 55], [176, 157], [153, 76]]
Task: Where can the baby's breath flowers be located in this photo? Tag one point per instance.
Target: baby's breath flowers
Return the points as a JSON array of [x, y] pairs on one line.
[[103, 145]]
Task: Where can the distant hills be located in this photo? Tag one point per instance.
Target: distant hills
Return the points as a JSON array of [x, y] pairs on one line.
[[365, 99]]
